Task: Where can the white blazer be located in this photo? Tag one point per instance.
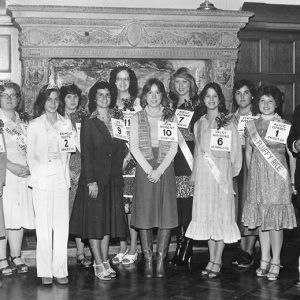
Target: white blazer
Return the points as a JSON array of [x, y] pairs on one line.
[[37, 151]]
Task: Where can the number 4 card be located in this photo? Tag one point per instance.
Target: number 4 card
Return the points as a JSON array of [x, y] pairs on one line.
[[220, 140]]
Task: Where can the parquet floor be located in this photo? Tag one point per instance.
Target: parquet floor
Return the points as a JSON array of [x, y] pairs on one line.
[[179, 284]]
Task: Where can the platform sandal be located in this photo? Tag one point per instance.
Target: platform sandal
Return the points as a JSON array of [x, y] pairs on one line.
[[101, 272], [129, 259], [263, 271], [119, 257], [206, 270], [215, 274], [7, 270], [109, 269], [273, 273], [21, 267]]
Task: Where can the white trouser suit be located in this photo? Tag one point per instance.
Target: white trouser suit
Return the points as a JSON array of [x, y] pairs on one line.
[[50, 182]]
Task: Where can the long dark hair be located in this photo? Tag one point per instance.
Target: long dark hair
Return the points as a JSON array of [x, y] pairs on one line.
[[42, 97], [99, 85], [165, 102], [65, 90], [133, 82], [183, 73]]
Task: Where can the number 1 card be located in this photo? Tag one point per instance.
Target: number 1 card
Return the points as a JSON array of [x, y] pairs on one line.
[[278, 132]]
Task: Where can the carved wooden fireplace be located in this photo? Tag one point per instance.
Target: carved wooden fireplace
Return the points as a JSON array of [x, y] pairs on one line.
[[82, 44]]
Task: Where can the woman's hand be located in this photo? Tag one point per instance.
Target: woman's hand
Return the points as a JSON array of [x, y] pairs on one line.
[[17, 169], [154, 176], [93, 189]]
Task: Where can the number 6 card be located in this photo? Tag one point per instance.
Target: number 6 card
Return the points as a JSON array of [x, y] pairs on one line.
[[220, 140], [167, 131]]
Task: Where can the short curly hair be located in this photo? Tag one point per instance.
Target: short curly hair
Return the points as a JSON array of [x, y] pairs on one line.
[[17, 89], [270, 90], [99, 85]]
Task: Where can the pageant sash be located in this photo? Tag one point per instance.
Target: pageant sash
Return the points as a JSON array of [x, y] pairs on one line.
[[16, 134], [185, 150], [272, 160], [216, 172]]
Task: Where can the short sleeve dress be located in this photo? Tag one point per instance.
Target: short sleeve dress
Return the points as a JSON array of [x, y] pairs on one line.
[[268, 201]]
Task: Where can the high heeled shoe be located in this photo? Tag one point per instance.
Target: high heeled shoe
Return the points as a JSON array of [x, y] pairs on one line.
[[7, 270], [207, 269], [215, 274], [101, 272], [274, 270], [109, 269], [21, 267], [262, 271]]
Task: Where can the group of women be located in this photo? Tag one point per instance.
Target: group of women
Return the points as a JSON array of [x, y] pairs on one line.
[[205, 178]]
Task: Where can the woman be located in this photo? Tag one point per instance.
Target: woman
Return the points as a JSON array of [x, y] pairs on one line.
[[70, 97], [17, 200], [154, 202], [98, 213], [213, 205], [244, 92], [183, 95], [124, 93], [268, 202], [48, 161], [2, 183]]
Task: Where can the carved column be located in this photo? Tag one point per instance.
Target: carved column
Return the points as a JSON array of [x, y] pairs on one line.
[[35, 75]]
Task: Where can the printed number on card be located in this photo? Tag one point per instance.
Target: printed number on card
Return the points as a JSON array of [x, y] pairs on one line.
[[220, 140], [167, 131]]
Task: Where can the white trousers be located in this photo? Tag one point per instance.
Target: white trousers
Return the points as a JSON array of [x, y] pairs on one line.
[[52, 227]]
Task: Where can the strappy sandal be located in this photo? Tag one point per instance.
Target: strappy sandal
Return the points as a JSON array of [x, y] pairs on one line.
[[129, 259], [119, 257], [272, 275], [109, 269], [215, 274], [262, 272], [7, 270], [83, 261], [206, 270], [21, 267], [101, 273]]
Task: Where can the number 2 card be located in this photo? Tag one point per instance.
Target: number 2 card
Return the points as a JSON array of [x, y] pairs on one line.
[[67, 141]]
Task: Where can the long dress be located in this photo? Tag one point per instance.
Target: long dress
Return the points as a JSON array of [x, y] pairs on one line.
[[240, 187], [268, 202], [17, 197], [102, 158], [213, 215]]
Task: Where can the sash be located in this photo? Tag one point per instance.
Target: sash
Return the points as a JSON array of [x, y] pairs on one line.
[[216, 172], [272, 160], [185, 150], [16, 134]]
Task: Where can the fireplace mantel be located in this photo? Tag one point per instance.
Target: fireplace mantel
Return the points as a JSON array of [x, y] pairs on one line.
[[53, 32]]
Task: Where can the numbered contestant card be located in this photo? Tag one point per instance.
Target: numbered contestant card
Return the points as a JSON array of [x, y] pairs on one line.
[[184, 117], [167, 131], [67, 141], [241, 126], [220, 140], [278, 132], [127, 115], [119, 129]]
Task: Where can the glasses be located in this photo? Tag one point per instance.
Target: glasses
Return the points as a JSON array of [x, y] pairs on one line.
[[7, 96]]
